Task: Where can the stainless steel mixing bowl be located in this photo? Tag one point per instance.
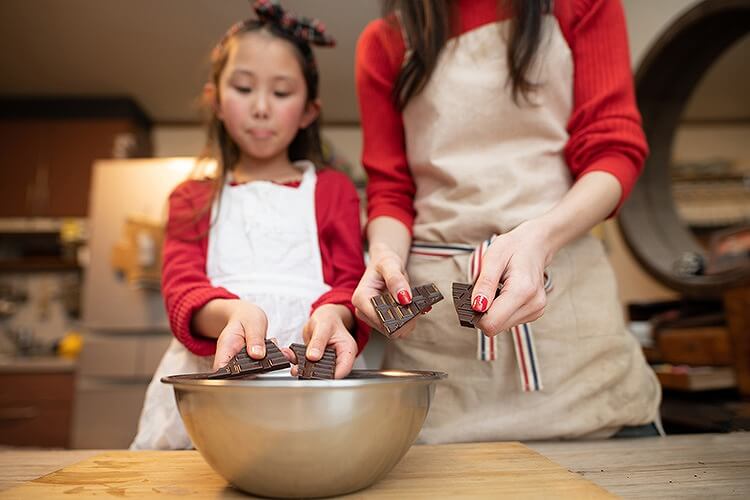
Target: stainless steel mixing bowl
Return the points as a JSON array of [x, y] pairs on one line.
[[283, 437]]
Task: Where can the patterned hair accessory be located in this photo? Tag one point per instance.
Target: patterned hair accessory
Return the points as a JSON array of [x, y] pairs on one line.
[[302, 28]]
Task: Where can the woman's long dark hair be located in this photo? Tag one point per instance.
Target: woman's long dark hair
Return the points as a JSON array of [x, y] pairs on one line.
[[427, 24]]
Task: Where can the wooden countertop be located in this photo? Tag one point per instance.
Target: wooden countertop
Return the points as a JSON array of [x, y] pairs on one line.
[[688, 466]]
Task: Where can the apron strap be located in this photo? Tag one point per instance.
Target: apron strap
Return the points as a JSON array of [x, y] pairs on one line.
[[487, 346]]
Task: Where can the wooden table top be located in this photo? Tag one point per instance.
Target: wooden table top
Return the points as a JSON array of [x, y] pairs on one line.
[[687, 466]]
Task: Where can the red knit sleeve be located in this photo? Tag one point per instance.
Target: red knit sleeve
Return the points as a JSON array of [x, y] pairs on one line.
[[340, 239], [185, 285], [605, 126], [390, 187]]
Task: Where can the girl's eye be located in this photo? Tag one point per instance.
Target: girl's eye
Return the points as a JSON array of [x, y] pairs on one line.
[[242, 90], [282, 94]]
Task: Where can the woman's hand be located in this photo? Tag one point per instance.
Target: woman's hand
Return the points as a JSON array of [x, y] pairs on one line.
[[246, 326], [516, 260], [385, 272], [327, 327]]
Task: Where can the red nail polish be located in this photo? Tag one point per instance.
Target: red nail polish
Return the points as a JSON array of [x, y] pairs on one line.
[[427, 310], [480, 303], [404, 297]]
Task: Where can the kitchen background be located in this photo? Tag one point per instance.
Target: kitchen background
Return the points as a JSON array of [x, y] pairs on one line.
[[98, 121]]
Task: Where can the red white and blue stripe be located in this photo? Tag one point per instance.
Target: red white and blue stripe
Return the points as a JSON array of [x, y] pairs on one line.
[[487, 346]]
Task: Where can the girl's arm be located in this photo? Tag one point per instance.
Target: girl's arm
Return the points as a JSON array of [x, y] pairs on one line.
[[185, 286]]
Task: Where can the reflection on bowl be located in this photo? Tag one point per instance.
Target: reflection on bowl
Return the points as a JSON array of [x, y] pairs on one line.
[[283, 437]]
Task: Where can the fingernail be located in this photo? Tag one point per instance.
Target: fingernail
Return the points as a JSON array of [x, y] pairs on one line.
[[480, 303], [313, 352], [404, 297], [257, 350]]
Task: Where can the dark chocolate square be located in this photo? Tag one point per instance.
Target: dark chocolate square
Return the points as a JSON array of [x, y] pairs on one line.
[[393, 315], [323, 369], [242, 364], [467, 316]]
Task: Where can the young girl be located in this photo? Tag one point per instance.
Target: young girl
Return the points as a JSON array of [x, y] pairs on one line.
[[272, 248], [516, 119]]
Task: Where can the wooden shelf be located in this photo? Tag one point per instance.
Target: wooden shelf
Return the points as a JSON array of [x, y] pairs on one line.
[[38, 264], [696, 378]]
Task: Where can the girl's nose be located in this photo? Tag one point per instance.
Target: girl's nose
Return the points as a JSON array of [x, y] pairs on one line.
[[260, 106]]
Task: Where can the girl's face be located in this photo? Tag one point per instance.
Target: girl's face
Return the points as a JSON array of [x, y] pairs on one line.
[[262, 96]]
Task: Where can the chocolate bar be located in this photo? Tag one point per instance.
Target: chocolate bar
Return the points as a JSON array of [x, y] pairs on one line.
[[467, 316], [393, 315], [322, 369], [242, 364]]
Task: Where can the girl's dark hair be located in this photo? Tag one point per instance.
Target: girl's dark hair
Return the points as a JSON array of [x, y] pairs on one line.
[[427, 24]]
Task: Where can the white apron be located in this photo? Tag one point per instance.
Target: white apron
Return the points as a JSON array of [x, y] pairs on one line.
[[482, 166], [263, 247]]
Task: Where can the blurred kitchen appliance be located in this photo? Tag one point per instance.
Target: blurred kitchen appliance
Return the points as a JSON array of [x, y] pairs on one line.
[[126, 328]]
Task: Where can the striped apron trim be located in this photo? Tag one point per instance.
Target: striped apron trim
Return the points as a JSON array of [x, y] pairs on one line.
[[487, 346]]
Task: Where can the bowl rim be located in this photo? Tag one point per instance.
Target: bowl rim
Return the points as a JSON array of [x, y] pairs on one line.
[[361, 378]]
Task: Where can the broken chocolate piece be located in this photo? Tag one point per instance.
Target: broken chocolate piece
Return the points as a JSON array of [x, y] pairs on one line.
[[467, 316], [322, 369], [393, 315], [242, 364]]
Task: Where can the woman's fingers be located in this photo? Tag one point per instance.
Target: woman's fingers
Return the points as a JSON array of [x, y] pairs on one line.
[[493, 267], [519, 302], [369, 286], [392, 271]]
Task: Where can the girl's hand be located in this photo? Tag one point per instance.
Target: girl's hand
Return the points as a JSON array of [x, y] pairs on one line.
[[326, 328], [246, 326], [385, 272], [516, 260]]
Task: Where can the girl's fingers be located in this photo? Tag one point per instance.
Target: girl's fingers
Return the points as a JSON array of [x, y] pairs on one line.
[[345, 356], [289, 355], [229, 343], [255, 335], [321, 334]]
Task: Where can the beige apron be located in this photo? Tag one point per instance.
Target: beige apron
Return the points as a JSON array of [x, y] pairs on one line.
[[482, 166]]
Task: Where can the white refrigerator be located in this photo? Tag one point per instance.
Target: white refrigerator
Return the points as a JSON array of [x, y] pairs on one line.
[[125, 325]]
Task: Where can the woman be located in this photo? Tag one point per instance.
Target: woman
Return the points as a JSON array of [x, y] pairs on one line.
[[515, 119]]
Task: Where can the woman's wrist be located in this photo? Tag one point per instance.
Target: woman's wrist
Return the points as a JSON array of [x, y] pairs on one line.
[[546, 235], [388, 236], [379, 250]]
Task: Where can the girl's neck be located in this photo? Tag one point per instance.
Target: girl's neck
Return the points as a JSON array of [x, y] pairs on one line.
[[276, 170]]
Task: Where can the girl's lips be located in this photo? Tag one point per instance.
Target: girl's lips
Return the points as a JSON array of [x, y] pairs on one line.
[[260, 133]]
